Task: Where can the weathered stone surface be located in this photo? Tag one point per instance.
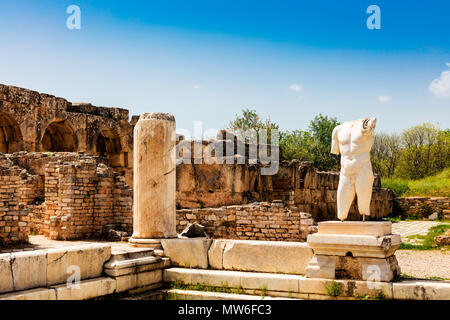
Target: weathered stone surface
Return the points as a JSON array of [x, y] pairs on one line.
[[272, 282], [357, 245], [132, 262], [321, 266], [215, 254], [266, 256], [29, 269], [368, 228], [154, 177], [88, 289], [33, 294], [278, 284], [89, 258], [421, 290], [6, 279], [191, 253]]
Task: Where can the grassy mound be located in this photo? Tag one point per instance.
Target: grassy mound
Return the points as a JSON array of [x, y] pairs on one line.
[[433, 186]]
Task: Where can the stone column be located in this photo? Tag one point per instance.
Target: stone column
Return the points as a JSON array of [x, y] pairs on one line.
[[154, 213]]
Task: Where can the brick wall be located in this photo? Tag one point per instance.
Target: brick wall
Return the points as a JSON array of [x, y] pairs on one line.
[[17, 194], [262, 221], [62, 196], [83, 196]]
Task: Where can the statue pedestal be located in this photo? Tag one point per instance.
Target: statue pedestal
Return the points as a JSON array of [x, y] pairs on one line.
[[354, 250]]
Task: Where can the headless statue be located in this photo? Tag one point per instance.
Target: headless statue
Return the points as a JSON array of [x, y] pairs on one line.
[[353, 140]]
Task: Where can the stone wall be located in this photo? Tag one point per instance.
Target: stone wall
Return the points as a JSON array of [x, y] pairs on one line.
[[32, 121], [17, 195], [259, 221], [297, 184], [81, 197], [422, 207], [60, 195]]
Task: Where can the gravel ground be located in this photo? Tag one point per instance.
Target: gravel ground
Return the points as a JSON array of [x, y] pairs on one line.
[[424, 264]]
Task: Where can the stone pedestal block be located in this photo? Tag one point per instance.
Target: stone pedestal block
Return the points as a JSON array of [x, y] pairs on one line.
[[354, 250], [154, 215]]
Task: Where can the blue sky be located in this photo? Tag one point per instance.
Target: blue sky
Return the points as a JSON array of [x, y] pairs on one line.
[[207, 60]]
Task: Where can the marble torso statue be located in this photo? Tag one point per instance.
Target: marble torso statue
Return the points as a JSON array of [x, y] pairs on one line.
[[353, 140]]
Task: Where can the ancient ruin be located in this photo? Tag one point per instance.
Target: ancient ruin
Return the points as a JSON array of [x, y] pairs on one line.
[[70, 167], [67, 174]]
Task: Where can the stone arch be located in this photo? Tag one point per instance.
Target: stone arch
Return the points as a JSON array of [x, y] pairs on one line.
[[10, 135], [108, 145], [59, 137]]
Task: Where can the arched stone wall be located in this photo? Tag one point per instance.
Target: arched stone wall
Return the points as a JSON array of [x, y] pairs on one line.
[[10, 135], [59, 137], [108, 145]]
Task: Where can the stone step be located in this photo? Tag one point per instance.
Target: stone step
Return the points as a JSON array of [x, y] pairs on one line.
[[131, 253], [179, 294], [132, 260], [275, 285]]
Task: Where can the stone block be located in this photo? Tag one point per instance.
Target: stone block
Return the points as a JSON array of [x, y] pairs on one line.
[[215, 254], [90, 258], [125, 282], [265, 256], [190, 253], [421, 290], [148, 278], [356, 245], [29, 269], [321, 266], [88, 289], [177, 274], [217, 278], [367, 228], [33, 294], [6, 279], [271, 282]]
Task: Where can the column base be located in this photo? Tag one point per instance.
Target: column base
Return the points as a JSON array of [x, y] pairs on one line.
[[145, 243]]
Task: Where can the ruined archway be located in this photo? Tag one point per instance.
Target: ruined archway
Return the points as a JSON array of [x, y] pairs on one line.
[[59, 137], [10, 135], [108, 145]]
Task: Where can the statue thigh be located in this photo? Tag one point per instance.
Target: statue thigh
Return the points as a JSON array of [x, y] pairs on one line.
[[364, 185], [345, 195]]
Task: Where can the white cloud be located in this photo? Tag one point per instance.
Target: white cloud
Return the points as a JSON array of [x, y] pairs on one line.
[[196, 86], [440, 87], [384, 99], [296, 87]]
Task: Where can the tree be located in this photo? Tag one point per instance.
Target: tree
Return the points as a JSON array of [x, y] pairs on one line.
[[251, 126], [385, 153], [320, 129], [425, 152], [295, 145]]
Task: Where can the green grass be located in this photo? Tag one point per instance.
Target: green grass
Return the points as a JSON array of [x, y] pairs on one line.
[[334, 289], [202, 287], [428, 240], [433, 186]]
